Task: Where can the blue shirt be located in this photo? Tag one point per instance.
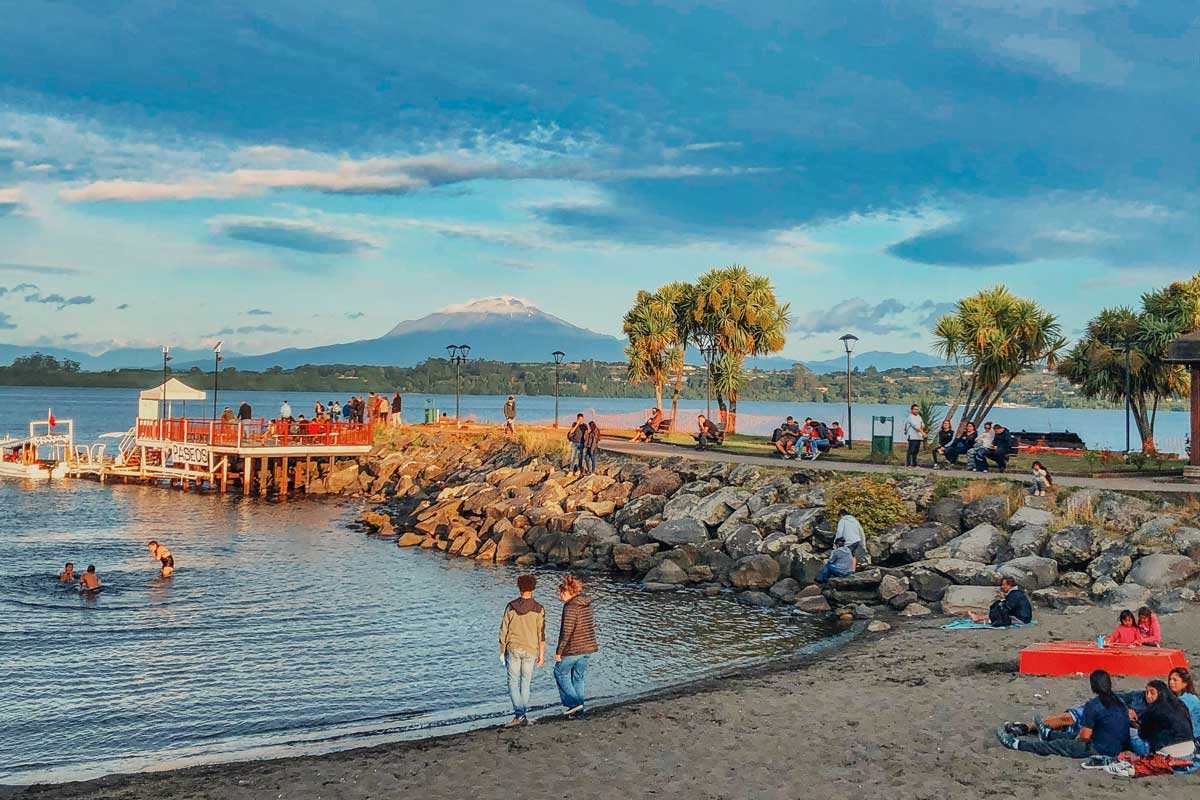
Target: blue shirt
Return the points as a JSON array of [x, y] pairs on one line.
[[1193, 706], [841, 561], [1110, 727]]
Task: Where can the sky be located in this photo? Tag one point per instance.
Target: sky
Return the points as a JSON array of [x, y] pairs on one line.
[[281, 174]]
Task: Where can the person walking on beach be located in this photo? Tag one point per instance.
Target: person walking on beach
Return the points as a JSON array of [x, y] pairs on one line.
[[577, 436], [522, 646], [510, 415], [576, 644], [914, 432]]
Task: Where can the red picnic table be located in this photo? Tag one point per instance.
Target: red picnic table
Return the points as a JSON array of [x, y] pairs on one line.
[[1071, 658]]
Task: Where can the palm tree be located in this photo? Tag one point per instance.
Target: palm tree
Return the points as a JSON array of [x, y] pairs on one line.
[[650, 329], [993, 337], [736, 311], [676, 299]]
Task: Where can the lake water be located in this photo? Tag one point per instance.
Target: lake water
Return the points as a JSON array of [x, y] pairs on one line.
[[282, 632], [98, 411]]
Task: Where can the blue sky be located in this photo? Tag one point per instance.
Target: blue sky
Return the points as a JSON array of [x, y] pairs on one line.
[[304, 173]]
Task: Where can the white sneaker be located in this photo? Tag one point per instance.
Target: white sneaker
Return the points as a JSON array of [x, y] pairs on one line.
[[571, 711]]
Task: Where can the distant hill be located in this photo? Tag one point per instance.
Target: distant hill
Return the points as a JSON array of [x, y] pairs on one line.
[[118, 358], [880, 360], [496, 328]]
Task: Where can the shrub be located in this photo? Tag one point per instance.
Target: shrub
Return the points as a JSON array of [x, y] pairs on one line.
[[947, 487], [875, 504], [544, 444]]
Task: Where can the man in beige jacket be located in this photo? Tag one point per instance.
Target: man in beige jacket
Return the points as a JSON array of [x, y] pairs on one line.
[[522, 645]]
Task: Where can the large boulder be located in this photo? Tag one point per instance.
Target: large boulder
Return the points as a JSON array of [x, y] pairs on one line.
[[968, 573], [755, 572], [982, 543], [1060, 597], [743, 541], [716, 508], [785, 590], [1127, 596], [667, 572], [771, 518], [992, 510], [776, 543], [1187, 542], [597, 531], [1027, 515], [638, 510], [865, 579], [679, 531], [890, 586], [913, 544], [680, 506], [805, 567], [1031, 572], [1162, 571], [1114, 562], [1027, 541], [928, 584], [1155, 530], [662, 482], [948, 511], [961, 600], [802, 522], [1121, 512], [1073, 547], [510, 547]]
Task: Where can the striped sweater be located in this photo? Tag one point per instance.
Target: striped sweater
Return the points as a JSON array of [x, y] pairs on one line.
[[577, 635]]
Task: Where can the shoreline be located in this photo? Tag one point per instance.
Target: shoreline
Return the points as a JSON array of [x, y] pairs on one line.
[[863, 717]]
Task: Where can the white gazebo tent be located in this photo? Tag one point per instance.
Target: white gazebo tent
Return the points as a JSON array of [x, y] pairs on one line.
[[173, 391]]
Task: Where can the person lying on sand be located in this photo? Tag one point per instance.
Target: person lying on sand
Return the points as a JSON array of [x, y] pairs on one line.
[[89, 581], [1010, 607], [68, 573]]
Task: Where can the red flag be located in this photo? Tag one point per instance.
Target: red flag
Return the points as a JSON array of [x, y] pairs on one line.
[[50, 417]]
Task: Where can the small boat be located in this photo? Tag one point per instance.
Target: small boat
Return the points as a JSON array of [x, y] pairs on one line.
[[42, 455]]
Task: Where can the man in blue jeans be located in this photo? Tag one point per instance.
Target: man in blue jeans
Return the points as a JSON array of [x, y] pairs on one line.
[[576, 643], [577, 436], [522, 646], [841, 563]]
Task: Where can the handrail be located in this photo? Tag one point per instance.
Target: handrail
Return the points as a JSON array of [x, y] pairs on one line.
[[256, 433]]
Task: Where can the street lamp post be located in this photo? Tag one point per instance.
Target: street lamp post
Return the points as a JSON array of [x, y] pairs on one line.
[[217, 359], [708, 351], [559, 355], [162, 414], [1127, 388], [848, 342], [458, 354]]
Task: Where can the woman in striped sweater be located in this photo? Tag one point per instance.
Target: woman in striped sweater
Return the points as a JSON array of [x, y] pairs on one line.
[[576, 643]]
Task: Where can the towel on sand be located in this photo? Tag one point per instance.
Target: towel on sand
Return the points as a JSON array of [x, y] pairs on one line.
[[968, 625]]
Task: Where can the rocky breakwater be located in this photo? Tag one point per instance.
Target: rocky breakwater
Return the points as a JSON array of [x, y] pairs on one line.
[[763, 535]]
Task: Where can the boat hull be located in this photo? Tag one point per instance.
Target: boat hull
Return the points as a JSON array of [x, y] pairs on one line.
[[32, 472]]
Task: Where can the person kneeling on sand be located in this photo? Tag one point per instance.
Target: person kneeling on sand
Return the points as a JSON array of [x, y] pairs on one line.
[[1103, 727], [841, 563], [522, 645], [1010, 607], [576, 644]]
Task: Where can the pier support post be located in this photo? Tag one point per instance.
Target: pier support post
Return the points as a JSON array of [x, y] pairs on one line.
[[247, 475], [283, 474], [263, 475], [224, 474], [301, 476]]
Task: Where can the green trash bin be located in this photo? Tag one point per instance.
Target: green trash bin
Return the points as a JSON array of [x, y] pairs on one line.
[[883, 434], [430, 413]]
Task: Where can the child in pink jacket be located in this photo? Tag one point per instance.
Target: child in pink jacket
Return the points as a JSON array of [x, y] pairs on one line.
[[1148, 628]]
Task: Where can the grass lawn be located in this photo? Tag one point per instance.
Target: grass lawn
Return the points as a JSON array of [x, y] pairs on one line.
[[1055, 463]]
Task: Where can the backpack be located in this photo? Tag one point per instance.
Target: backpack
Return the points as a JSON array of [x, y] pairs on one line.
[[823, 431]]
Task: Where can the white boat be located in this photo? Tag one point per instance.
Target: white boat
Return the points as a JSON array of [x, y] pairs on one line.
[[42, 455]]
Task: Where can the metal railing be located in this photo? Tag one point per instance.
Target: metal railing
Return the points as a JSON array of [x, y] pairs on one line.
[[256, 433]]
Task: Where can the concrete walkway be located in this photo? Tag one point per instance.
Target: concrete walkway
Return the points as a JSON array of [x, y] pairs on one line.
[[625, 447]]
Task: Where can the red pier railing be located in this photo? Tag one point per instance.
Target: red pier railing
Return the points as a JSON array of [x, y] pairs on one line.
[[256, 433]]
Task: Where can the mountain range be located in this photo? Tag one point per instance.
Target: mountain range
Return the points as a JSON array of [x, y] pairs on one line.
[[496, 328]]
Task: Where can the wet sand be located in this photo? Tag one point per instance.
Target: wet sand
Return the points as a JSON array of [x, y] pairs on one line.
[[909, 714]]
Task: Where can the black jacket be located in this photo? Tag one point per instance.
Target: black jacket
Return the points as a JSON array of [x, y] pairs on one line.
[[1165, 723], [1003, 443], [1015, 607]]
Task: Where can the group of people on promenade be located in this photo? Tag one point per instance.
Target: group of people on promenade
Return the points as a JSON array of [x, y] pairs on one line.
[[813, 438], [523, 646], [89, 581], [1152, 731], [585, 443]]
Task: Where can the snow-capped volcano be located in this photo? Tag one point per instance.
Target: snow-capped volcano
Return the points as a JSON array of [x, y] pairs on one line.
[[487, 310]]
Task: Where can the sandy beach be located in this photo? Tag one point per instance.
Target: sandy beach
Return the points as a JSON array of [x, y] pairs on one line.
[[910, 713]]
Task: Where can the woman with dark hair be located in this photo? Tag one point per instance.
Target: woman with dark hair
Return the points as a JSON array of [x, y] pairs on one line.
[[1166, 724], [1103, 727], [961, 445], [942, 439], [1181, 685]]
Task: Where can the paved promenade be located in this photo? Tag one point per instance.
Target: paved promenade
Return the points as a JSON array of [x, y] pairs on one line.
[[1131, 484]]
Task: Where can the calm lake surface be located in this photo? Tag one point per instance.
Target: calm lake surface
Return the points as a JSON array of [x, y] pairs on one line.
[[282, 632]]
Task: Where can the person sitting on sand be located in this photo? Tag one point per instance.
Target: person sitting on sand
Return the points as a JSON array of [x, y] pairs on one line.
[[89, 581], [1149, 628], [1010, 607], [1166, 724], [650, 427], [1103, 727], [68, 573], [1180, 682], [841, 563], [1126, 632]]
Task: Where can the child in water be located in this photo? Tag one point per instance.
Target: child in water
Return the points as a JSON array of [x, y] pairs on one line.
[[1148, 628], [1041, 479], [1127, 632], [68, 573], [89, 581]]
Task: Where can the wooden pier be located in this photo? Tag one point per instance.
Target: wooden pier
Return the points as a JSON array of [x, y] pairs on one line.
[[259, 455]]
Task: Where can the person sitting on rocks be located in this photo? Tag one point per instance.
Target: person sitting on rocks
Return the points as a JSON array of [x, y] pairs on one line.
[[840, 564], [1126, 631], [785, 437], [1041, 479], [1103, 727], [1011, 606], [1149, 628], [850, 533]]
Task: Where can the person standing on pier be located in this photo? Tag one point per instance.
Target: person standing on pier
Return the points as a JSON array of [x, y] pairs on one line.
[[335, 411], [522, 645], [285, 411], [576, 644], [244, 411]]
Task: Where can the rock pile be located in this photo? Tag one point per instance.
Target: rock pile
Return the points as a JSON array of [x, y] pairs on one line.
[[720, 527]]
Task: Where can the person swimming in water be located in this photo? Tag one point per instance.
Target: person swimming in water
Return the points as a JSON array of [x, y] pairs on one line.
[[163, 555], [89, 581], [68, 573]]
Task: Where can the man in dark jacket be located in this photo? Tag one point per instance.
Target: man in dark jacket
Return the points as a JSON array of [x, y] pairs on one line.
[[708, 432], [244, 411], [577, 436], [1010, 607], [1002, 448], [576, 643]]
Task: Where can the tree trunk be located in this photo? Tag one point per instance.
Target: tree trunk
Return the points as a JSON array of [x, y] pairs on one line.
[[731, 420], [658, 389], [675, 395], [1145, 428], [722, 411]]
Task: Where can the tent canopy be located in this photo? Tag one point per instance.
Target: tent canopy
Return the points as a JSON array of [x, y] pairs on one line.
[[176, 391]]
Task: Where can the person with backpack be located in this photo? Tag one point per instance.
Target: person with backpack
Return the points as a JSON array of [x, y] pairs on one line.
[[577, 436]]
